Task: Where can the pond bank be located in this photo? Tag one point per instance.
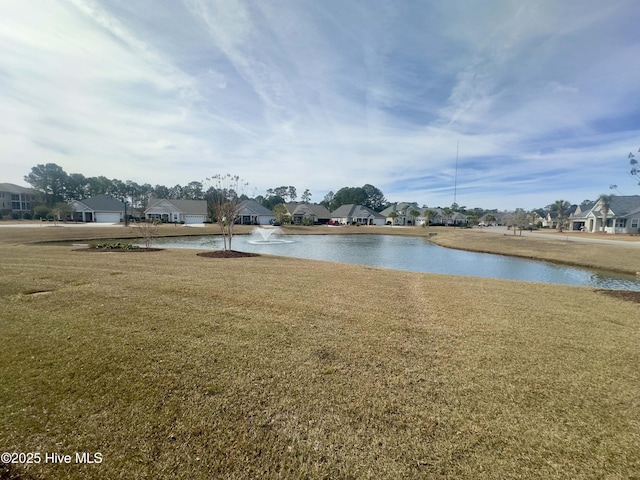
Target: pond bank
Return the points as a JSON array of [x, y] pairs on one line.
[[613, 258], [603, 257]]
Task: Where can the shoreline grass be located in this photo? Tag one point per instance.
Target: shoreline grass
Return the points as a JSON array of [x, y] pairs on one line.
[[614, 258], [175, 366]]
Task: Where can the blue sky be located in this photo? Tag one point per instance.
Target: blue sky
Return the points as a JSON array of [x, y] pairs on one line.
[[543, 97]]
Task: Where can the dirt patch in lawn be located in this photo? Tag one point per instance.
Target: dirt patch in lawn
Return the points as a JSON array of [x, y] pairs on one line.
[[227, 254], [629, 296]]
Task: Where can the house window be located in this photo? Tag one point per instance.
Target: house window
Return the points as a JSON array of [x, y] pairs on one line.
[[634, 222], [621, 222]]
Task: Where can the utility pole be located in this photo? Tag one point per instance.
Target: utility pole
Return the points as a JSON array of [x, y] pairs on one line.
[[455, 185]]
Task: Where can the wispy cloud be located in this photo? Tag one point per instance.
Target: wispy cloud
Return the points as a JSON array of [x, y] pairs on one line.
[[321, 95]]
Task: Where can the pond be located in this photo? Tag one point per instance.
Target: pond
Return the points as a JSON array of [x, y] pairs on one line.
[[414, 254]]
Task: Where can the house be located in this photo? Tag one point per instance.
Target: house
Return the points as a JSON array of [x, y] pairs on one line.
[[351, 213], [541, 218], [400, 213], [318, 214], [623, 216], [251, 212], [99, 209], [14, 198], [441, 216], [176, 211], [494, 218], [578, 217]]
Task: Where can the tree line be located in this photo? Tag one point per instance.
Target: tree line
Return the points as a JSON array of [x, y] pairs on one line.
[[56, 186]]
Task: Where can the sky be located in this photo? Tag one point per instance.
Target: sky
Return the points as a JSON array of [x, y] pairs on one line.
[[532, 101]]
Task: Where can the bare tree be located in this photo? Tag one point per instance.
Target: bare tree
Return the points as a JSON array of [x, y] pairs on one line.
[[223, 201], [635, 167], [147, 231]]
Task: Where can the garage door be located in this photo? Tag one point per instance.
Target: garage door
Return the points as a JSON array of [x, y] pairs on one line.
[[108, 217], [189, 219]]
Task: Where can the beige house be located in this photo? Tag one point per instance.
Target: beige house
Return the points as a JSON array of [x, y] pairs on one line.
[[623, 216], [399, 213]]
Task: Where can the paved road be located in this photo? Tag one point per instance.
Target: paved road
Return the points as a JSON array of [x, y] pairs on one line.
[[60, 224], [567, 236]]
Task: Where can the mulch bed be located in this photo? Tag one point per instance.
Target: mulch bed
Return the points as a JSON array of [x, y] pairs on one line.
[[118, 250], [227, 254], [629, 296]]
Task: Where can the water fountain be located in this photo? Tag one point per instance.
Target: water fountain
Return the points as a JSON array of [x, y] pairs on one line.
[[267, 236]]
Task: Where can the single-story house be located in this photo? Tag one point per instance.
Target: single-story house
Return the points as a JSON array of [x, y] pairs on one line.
[[352, 213], [14, 198], [494, 218], [99, 209], [623, 216], [439, 216], [317, 213], [176, 211], [251, 212]]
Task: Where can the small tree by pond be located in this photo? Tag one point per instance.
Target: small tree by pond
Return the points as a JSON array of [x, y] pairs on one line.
[[147, 232], [223, 201]]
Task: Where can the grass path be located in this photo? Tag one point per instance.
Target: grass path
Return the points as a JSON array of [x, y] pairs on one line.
[[175, 366]]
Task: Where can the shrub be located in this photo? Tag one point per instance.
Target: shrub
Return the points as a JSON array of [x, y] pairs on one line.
[[27, 216], [15, 216], [40, 212], [116, 246]]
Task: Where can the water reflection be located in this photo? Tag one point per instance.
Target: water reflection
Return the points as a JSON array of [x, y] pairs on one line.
[[414, 254]]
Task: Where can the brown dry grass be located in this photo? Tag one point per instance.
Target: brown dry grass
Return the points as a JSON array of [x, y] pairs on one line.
[[47, 232], [177, 366], [554, 248]]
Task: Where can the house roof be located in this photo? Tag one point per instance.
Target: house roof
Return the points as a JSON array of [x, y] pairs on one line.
[[355, 211], [620, 206], [319, 211], [189, 207], [581, 210], [400, 207], [251, 207], [13, 188], [102, 203], [624, 205]]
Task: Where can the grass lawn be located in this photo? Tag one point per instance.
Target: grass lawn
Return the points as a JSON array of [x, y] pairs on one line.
[[175, 366]]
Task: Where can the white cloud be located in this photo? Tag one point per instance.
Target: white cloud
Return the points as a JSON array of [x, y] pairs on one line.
[[323, 95]]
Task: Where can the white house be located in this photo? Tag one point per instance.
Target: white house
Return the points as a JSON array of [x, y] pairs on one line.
[[623, 216], [176, 211], [99, 209]]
